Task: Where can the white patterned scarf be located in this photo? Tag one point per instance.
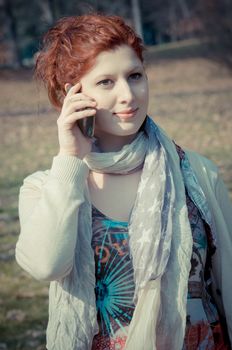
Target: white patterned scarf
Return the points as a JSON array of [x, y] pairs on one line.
[[160, 243], [152, 224]]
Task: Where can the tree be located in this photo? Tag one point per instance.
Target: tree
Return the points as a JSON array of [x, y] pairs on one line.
[[216, 18], [137, 17], [165, 17], [10, 55]]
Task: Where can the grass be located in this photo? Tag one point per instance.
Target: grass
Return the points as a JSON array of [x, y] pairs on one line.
[[190, 97]]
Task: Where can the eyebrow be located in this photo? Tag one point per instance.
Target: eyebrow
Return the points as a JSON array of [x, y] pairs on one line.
[[111, 75], [136, 67]]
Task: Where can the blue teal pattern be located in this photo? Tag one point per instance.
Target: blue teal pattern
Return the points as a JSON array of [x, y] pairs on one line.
[[114, 274]]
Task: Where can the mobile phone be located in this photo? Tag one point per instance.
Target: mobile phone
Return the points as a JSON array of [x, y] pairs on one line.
[[86, 124]]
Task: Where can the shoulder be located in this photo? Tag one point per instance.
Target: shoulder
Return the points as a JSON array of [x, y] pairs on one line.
[[197, 161], [202, 166], [200, 159], [36, 179]]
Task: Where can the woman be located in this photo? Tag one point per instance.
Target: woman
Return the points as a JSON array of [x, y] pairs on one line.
[[132, 232]]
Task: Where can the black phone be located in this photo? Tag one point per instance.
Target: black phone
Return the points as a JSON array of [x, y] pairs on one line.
[[86, 124]]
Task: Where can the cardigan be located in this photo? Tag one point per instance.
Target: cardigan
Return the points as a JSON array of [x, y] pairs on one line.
[[49, 205]]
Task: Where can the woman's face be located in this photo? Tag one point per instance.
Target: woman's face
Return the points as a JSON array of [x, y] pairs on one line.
[[119, 85]]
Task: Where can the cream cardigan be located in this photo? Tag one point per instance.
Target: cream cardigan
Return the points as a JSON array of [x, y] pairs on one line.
[[49, 205]]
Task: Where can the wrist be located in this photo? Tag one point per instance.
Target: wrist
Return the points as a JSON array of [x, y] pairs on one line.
[[70, 153], [69, 169]]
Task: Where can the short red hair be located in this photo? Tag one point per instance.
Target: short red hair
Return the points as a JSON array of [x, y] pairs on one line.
[[71, 46]]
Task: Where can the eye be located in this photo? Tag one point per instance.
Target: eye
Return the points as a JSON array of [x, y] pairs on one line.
[[105, 82], [135, 76]]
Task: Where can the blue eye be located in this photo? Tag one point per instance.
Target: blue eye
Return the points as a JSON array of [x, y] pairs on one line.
[[135, 76], [105, 82]]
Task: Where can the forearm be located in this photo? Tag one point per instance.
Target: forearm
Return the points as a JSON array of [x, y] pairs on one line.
[[225, 247], [48, 208]]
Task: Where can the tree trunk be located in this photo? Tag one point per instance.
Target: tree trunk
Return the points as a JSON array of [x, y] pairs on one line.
[[46, 9], [137, 17], [184, 8], [10, 44]]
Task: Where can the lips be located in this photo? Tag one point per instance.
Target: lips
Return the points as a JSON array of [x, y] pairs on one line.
[[127, 113]]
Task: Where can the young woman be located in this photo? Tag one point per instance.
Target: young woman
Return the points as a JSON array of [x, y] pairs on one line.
[[133, 233]]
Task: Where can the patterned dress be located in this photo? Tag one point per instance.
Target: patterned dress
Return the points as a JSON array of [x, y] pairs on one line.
[[114, 281], [205, 329], [203, 325]]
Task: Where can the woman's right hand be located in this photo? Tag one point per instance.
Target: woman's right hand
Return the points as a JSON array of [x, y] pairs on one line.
[[76, 106]]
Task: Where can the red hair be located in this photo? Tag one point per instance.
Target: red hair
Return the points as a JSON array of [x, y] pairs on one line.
[[71, 46]]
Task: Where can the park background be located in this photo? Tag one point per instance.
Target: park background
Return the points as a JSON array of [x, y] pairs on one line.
[[188, 61]]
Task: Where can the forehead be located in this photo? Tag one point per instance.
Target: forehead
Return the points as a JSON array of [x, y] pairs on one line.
[[119, 59]]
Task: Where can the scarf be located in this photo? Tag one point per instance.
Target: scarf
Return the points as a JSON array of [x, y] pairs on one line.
[[160, 243], [150, 226]]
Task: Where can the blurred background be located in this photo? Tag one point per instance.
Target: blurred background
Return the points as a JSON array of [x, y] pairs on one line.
[[189, 65]]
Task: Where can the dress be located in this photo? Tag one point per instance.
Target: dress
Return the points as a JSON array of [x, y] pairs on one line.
[[114, 281], [205, 328]]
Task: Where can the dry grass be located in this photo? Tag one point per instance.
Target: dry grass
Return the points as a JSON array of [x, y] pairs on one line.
[[192, 101], [190, 98]]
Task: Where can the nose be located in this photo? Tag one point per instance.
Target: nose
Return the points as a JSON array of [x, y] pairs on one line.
[[125, 92]]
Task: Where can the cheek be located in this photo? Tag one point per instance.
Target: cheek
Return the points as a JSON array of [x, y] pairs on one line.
[[142, 93], [99, 96], [104, 100], [102, 116]]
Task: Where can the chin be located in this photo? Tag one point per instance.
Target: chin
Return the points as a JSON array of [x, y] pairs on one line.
[[131, 129], [126, 130], [121, 128]]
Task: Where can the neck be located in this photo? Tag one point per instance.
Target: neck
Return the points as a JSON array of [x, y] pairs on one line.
[[113, 143]]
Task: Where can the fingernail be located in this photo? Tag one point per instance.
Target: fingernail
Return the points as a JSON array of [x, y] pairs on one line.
[[68, 87]]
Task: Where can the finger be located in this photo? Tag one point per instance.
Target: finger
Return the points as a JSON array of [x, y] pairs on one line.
[[81, 97], [71, 118], [72, 89], [82, 105], [67, 87], [77, 106]]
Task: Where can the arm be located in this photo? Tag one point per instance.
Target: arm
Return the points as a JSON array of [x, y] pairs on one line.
[[221, 210], [224, 257], [48, 209], [224, 203]]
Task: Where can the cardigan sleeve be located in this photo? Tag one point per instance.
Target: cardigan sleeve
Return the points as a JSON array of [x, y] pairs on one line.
[[48, 211], [224, 202], [221, 210], [224, 275]]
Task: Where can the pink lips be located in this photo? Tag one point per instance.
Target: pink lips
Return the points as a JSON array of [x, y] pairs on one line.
[[128, 113]]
